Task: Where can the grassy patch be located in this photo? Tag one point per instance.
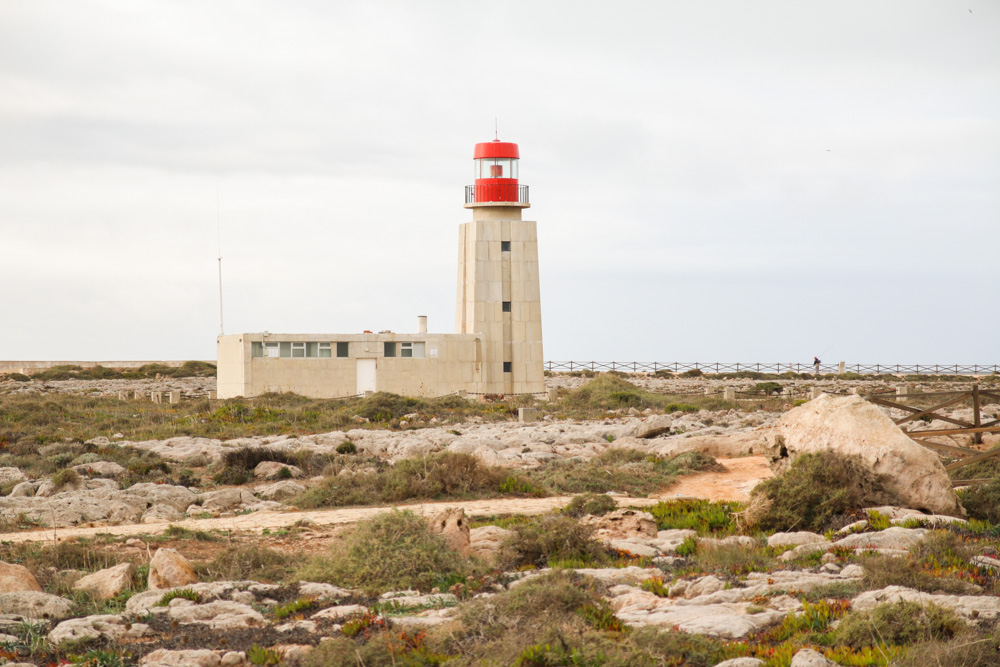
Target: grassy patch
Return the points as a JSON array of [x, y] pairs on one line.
[[898, 623], [705, 516], [552, 537], [252, 561], [596, 504], [610, 392], [982, 501]]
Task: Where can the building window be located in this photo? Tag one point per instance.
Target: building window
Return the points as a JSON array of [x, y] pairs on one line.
[[298, 350], [257, 348], [508, 367], [505, 246], [293, 350], [343, 350], [411, 350], [390, 349], [506, 306]]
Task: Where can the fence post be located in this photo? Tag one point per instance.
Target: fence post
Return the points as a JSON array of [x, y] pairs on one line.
[[729, 394], [840, 368]]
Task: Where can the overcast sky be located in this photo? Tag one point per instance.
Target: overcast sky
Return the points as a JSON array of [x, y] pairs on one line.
[[713, 181]]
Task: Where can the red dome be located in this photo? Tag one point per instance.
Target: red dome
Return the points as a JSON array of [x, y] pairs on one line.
[[496, 148]]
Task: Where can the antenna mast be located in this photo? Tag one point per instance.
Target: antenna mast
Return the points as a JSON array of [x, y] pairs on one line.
[[218, 226]]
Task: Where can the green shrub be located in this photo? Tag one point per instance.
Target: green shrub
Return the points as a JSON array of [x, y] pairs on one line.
[[282, 612], [898, 623], [248, 458], [596, 504], [767, 388], [392, 551], [552, 537], [982, 501], [347, 447], [64, 478], [816, 488], [231, 476]]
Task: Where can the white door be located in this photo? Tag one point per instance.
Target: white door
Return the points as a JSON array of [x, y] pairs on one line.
[[366, 375]]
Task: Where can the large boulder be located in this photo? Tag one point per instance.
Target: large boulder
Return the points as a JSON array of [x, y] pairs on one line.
[[10, 474], [852, 426], [169, 569], [107, 583], [652, 426], [14, 578]]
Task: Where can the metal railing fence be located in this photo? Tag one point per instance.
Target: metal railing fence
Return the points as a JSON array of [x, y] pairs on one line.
[[777, 368]]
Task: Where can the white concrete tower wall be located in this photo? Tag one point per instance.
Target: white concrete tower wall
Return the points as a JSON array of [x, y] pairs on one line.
[[498, 265]]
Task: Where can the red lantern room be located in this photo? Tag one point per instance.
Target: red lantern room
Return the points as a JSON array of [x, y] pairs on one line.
[[495, 170]]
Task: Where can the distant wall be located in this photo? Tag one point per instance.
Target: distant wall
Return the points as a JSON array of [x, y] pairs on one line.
[[29, 366]]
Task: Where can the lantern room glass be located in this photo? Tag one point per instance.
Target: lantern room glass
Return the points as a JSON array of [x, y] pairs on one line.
[[495, 167]]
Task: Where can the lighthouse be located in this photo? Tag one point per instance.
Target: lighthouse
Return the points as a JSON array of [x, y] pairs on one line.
[[498, 287]]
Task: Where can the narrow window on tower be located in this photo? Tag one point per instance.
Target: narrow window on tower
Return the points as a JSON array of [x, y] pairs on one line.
[[505, 246], [507, 367], [506, 306]]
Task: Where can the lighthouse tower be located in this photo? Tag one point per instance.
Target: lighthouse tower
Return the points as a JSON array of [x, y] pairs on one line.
[[498, 291]]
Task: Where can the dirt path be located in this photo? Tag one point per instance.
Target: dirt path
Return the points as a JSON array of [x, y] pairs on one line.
[[741, 475], [734, 484]]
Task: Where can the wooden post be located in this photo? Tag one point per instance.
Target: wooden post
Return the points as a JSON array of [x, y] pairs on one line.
[[978, 437]]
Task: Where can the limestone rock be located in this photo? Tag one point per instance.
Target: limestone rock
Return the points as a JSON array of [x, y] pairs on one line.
[[227, 499], [890, 538], [220, 615], [340, 612], [807, 657], [312, 589], [851, 425], [635, 548], [35, 604], [622, 524], [99, 468], [147, 495], [741, 662], [281, 490], [454, 527], [161, 513], [273, 470], [107, 626], [744, 541], [652, 426], [169, 569], [192, 658], [974, 608], [10, 474], [14, 578], [108, 582], [487, 541], [794, 539], [23, 490]]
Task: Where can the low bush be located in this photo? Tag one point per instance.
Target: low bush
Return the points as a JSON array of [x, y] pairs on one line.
[[815, 489], [439, 476], [248, 458], [882, 571], [64, 478], [963, 651], [731, 559], [898, 623], [620, 470], [596, 504], [393, 551], [982, 501], [552, 537]]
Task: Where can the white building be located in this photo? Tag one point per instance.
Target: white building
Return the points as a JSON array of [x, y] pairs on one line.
[[497, 347]]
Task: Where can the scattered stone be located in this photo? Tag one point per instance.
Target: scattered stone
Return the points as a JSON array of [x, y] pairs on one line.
[[281, 490], [15, 578], [273, 470], [191, 658], [100, 468], [169, 569], [340, 612], [219, 615], [107, 583], [105, 626], [794, 539], [652, 426], [34, 604], [807, 657]]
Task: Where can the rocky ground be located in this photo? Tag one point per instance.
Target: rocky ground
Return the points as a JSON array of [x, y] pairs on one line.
[[99, 568]]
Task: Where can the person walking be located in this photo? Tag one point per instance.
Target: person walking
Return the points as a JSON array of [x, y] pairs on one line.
[[816, 365]]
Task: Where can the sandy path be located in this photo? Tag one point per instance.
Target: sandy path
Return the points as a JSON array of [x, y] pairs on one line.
[[734, 484], [741, 475]]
